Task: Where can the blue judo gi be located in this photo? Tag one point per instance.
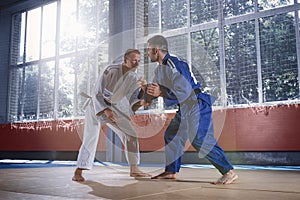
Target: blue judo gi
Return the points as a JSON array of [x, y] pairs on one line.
[[192, 121]]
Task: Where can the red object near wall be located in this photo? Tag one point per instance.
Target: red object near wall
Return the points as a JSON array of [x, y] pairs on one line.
[[267, 128], [63, 135]]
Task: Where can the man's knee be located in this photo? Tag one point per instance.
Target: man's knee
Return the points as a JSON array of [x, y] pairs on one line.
[[132, 144]]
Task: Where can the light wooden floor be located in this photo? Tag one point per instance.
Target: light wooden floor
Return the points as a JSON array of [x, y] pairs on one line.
[[113, 182]]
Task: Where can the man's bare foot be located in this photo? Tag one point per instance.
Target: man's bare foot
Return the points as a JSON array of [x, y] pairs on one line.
[[165, 175], [139, 174], [136, 172], [227, 178], [78, 175]]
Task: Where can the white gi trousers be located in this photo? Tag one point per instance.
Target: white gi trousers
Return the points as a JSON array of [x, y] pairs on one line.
[[122, 128]]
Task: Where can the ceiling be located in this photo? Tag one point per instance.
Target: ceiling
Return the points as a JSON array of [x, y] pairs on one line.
[[8, 3]]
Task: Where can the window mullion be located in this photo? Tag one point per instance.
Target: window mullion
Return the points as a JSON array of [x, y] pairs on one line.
[[222, 54], [297, 44], [189, 49], [258, 57], [56, 74], [159, 16], [39, 66], [21, 99]]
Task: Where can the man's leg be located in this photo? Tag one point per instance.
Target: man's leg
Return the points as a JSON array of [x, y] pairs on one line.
[[215, 154], [131, 145], [207, 146], [88, 147], [175, 138]]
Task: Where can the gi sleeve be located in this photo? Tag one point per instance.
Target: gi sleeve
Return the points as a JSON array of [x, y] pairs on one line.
[[98, 95], [182, 88], [132, 90], [176, 89]]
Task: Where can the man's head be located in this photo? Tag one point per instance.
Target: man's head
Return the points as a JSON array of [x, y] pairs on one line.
[[157, 46], [132, 58]]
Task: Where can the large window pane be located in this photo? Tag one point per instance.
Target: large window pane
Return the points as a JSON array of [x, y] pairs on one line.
[[47, 91], [15, 92], [103, 20], [269, 4], [33, 35], [153, 16], [28, 107], [238, 7], [17, 39], [66, 88], [69, 28], [205, 60], [141, 19], [174, 14], [203, 11], [178, 45], [279, 58], [88, 23], [147, 17], [86, 76], [49, 30], [21, 47], [241, 67]]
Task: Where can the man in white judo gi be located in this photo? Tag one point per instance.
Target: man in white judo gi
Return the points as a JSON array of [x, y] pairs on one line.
[[116, 84]]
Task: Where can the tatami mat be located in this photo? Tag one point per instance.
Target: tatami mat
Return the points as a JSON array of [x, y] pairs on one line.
[[52, 180]]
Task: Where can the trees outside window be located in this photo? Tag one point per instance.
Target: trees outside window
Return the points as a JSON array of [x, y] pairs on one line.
[[243, 50]]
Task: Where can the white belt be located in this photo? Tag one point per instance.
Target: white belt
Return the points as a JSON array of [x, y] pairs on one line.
[[87, 102]]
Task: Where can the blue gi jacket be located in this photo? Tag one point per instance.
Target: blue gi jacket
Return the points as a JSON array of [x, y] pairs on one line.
[[177, 83]]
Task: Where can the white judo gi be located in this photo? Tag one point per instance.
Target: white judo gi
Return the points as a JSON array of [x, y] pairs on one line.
[[117, 92]]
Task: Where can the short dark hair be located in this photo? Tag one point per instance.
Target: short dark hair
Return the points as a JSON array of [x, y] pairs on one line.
[[158, 41], [130, 51]]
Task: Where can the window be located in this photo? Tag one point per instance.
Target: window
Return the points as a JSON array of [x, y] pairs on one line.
[[54, 56], [244, 52], [279, 60], [241, 63]]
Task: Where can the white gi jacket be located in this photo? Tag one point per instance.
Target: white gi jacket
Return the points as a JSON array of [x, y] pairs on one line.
[[111, 89]]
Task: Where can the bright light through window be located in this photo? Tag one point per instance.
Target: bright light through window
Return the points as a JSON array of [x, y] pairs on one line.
[[33, 34], [45, 83], [49, 30], [68, 26]]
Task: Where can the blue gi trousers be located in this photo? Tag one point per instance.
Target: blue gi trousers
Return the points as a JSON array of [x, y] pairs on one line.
[[193, 121]]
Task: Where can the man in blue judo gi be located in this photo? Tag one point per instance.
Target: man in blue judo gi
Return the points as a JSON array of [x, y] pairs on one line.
[[173, 80]]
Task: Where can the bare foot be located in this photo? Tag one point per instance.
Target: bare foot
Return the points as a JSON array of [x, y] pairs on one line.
[[165, 175], [139, 174], [227, 178], [136, 172], [78, 175]]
